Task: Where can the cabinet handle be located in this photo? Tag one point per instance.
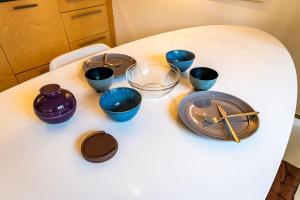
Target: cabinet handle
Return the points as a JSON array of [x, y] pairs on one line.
[[86, 14], [91, 41], [73, 0], [26, 6]]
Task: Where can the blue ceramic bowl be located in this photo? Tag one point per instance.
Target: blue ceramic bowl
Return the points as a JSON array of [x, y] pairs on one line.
[[100, 78], [203, 78], [121, 104], [182, 59]]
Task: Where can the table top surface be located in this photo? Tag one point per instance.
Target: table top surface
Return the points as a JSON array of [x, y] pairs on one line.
[[158, 157]]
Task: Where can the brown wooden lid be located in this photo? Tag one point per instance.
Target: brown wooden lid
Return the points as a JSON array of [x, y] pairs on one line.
[[99, 147]]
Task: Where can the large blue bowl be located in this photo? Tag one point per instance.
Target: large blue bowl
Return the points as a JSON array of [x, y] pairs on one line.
[[121, 104], [181, 59]]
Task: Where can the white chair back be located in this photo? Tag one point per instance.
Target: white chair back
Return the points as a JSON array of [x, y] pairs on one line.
[[76, 55]]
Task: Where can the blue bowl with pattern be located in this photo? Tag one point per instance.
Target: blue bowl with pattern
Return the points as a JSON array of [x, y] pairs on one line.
[[181, 59], [121, 104], [203, 78]]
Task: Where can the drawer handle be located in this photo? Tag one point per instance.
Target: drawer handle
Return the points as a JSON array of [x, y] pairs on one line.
[[73, 0], [86, 14], [91, 41], [26, 6]]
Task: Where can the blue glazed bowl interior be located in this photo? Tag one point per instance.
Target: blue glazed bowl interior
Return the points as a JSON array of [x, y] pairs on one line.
[[99, 73], [180, 55], [120, 100], [204, 73]]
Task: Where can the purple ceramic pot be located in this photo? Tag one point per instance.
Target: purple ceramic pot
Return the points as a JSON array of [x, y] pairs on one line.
[[54, 105]]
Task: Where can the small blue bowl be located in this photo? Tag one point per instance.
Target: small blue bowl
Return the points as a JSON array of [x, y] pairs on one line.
[[121, 104], [182, 59], [203, 78], [100, 78]]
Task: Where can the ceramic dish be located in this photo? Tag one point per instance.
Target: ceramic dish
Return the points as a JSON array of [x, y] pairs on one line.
[[181, 59], [203, 78], [121, 104], [99, 147], [193, 107], [100, 78], [54, 105], [113, 58]]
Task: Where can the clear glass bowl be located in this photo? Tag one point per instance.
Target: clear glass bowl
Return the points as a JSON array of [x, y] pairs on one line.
[[153, 80]]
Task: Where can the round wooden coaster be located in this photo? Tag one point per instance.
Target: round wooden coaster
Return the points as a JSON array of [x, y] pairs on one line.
[[99, 147]]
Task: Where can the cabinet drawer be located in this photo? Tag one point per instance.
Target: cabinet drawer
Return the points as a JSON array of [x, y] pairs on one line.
[[81, 24], [24, 76], [100, 38], [68, 5]]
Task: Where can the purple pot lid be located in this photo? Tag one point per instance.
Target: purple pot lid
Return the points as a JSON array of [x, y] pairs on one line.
[[54, 101]]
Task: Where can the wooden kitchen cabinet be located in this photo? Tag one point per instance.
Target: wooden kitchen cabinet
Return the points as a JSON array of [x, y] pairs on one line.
[[68, 5], [91, 22], [85, 22], [24, 76], [31, 33], [99, 38], [7, 77]]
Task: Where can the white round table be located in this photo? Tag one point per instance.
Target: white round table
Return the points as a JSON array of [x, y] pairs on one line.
[[158, 157]]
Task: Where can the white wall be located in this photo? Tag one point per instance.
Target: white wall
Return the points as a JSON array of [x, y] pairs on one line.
[[292, 42], [135, 19]]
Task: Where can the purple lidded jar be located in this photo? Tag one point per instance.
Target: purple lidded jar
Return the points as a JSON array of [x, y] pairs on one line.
[[54, 105]]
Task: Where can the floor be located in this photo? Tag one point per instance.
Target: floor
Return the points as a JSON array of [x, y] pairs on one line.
[[292, 153]]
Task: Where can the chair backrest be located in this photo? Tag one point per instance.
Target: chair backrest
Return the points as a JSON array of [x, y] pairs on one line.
[[76, 55]]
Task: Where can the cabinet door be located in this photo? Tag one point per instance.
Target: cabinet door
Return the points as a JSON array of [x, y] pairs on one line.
[[31, 33], [84, 23], [7, 77]]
